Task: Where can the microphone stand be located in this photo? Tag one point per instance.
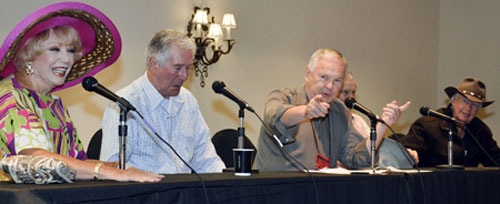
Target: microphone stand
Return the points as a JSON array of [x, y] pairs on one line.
[[373, 138], [241, 129], [122, 133], [242, 157], [451, 127]]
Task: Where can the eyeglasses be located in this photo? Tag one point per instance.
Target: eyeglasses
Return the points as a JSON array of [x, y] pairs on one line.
[[473, 104]]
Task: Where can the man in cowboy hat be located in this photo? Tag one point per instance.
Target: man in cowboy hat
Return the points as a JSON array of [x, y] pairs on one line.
[[472, 140]]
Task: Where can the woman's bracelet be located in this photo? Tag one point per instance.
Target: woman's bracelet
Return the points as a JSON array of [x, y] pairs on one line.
[[97, 168]]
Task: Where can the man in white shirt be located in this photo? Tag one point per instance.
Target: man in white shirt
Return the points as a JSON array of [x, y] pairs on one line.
[[349, 91], [167, 107], [387, 155]]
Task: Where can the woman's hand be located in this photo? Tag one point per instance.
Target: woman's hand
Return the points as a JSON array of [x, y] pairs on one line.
[[133, 174]]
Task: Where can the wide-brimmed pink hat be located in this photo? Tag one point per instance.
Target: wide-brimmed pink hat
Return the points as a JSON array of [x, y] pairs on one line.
[[471, 88], [100, 38]]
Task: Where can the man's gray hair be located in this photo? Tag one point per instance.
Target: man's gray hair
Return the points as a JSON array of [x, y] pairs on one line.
[[323, 52], [348, 76], [159, 46], [454, 97]]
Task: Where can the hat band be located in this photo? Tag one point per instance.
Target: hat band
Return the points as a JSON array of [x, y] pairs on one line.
[[473, 94]]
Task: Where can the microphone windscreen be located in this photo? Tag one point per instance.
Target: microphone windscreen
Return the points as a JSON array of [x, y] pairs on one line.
[[424, 110], [349, 102], [89, 83], [217, 86]]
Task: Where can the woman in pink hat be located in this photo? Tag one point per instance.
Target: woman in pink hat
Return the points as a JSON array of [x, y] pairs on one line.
[[51, 49]]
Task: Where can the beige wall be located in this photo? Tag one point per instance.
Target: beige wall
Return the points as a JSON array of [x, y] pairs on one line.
[[469, 45], [392, 48]]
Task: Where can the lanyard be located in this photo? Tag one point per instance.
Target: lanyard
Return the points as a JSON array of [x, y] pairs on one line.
[[316, 141]]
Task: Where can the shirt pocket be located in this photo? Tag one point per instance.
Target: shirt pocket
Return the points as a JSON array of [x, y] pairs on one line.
[[185, 141]]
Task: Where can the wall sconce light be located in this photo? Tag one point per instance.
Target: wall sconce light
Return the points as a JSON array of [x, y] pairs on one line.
[[209, 34]]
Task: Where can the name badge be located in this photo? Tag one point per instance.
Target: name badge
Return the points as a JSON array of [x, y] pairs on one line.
[[322, 161]]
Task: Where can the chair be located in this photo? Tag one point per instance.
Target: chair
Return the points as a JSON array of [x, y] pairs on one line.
[[224, 142], [94, 148], [392, 153]]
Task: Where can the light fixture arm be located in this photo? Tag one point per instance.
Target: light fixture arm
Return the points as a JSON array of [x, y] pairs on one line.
[[230, 44], [198, 30]]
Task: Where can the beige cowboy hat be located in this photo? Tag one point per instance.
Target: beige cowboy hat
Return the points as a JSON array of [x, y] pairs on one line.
[[471, 88]]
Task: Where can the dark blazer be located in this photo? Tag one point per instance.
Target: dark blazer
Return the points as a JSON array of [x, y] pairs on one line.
[[429, 137]]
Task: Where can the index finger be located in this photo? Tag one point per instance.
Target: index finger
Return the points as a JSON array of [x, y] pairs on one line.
[[318, 98], [405, 106]]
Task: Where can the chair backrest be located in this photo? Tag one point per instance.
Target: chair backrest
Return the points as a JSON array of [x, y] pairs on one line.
[[392, 153], [94, 148], [224, 142]]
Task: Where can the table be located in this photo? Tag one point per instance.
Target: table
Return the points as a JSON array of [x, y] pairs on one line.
[[473, 185]]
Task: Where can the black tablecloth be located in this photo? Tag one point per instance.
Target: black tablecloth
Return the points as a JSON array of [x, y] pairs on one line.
[[470, 186]]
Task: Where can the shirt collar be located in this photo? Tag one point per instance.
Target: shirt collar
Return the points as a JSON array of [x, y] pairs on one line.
[[156, 100], [18, 86]]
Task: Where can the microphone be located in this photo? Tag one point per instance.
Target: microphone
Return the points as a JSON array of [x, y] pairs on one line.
[[425, 111], [220, 88], [352, 103], [90, 84]]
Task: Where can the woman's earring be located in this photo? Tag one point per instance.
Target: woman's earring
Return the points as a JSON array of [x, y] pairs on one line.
[[28, 69]]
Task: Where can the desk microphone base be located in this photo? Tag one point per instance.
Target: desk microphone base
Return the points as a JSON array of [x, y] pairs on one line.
[[450, 167], [254, 171]]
